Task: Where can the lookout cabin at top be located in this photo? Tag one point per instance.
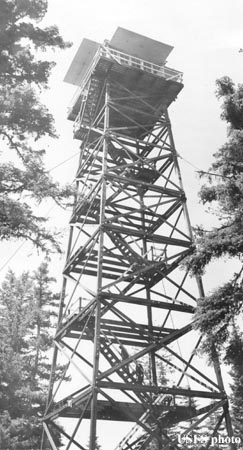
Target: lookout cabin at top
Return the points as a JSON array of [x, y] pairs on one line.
[[136, 61]]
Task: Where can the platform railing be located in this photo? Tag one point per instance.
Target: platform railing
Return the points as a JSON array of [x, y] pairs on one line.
[[132, 61], [129, 61]]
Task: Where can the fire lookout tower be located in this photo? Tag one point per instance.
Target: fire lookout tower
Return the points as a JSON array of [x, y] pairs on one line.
[[126, 305]]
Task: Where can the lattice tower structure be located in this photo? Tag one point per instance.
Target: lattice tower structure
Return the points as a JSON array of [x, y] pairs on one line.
[[126, 309]]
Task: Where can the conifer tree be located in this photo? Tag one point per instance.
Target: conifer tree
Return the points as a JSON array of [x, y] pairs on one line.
[[234, 357], [27, 305], [24, 120], [217, 314]]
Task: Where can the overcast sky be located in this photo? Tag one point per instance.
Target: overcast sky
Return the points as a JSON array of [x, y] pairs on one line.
[[206, 35]]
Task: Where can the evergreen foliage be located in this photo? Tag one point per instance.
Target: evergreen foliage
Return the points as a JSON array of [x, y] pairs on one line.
[[26, 308], [217, 314], [225, 193], [24, 120], [234, 357]]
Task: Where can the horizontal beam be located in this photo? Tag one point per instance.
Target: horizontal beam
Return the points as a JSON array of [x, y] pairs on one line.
[[156, 238], [170, 306], [148, 186], [132, 412], [175, 391]]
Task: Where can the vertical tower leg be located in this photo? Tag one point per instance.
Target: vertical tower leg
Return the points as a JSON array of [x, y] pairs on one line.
[[202, 295], [99, 275]]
